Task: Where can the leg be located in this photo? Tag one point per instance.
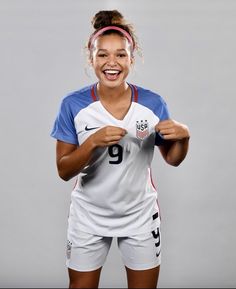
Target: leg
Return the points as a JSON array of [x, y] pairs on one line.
[[142, 258], [86, 255], [142, 278], [84, 279]]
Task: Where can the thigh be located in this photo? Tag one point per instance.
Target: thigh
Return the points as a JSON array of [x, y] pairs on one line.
[[142, 251], [86, 254], [142, 278]]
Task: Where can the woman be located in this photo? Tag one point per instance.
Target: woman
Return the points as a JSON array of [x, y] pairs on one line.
[[106, 134]]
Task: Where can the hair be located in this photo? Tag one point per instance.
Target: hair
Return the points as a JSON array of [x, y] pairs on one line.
[[106, 18]]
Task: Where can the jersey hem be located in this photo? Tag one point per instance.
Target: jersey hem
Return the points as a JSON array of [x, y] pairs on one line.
[[155, 225]]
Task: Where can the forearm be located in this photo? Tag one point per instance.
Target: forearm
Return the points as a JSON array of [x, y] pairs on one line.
[[176, 151], [72, 159], [71, 164]]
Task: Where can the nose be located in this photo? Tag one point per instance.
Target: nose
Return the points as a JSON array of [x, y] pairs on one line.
[[111, 60]]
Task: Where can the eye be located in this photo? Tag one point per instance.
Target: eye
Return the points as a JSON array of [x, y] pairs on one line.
[[102, 55], [121, 55]]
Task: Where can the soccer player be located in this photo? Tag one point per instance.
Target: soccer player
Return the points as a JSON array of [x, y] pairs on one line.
[[106, 134]]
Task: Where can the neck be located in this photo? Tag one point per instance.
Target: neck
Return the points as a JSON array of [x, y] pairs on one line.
[[112, 93]]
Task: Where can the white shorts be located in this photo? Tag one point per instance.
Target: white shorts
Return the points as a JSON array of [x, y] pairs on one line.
[[87, 252]]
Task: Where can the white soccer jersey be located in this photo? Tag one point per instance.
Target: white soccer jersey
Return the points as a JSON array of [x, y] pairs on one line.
[[114, 195]]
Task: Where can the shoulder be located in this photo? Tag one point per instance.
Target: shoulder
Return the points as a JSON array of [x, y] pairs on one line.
[[77, 100], [149, 98], [153, 102], [82, 94]]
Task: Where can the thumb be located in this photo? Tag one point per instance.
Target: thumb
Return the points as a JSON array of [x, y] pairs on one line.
[[157, 129]]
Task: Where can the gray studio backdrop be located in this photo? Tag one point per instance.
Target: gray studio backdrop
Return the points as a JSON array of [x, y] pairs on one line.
[[189, 58]]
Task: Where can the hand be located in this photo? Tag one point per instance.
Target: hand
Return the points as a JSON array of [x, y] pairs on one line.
[[107, 136], [172, 130]]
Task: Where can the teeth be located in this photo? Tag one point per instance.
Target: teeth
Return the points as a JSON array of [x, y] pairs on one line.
[[112, 71]]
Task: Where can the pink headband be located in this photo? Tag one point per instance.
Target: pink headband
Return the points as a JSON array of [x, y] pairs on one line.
[[101, 31]]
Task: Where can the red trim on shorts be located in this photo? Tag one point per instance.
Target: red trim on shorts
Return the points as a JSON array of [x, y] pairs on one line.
[[76, 181], [152, 180], [156, 190]]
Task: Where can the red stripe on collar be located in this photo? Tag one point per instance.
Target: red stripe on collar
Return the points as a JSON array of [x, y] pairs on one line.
[[93, 94]]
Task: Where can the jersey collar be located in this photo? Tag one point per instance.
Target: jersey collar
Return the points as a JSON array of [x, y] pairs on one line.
[[134, 90]]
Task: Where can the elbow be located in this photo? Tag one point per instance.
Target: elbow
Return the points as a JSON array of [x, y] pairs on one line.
[[63, 172], [174, 162], [63, 175], [66, 179]]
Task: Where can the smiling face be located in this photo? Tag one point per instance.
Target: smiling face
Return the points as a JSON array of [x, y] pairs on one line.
[[111, 60]]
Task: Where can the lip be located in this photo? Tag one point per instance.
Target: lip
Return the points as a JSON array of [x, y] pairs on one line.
[[111, 71], [111, 74]]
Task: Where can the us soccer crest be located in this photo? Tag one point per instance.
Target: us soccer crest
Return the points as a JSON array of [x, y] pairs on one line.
[[142, 129]]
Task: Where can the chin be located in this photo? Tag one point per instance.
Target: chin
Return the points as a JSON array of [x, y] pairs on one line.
[[112, 84]]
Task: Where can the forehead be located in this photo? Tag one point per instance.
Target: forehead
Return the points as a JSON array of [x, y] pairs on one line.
[[111, 41]]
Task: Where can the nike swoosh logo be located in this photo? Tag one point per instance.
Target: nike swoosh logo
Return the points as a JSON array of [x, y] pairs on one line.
[[90, 128]]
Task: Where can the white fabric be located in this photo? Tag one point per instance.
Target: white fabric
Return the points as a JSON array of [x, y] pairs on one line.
[[116, 199]]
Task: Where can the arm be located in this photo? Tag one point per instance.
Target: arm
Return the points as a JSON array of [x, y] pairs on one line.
[[71, 159], [177, 135]]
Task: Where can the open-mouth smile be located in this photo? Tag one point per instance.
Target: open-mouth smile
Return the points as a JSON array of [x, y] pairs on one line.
[[112, 74]]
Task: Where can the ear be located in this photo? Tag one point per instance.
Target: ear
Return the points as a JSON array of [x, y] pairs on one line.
[[90, 60], [132, 60]]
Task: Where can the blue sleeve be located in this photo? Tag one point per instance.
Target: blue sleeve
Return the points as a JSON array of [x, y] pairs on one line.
[[64, 128], [163, 113]]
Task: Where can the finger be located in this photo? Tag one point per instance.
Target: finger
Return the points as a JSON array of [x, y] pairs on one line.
[[113, 130], [112, 143], [173, 137], [169, 136], [167, 131], [112, 138], [122, 132], [164, 125]]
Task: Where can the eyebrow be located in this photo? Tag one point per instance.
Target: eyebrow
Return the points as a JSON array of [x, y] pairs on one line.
[[121, 49]]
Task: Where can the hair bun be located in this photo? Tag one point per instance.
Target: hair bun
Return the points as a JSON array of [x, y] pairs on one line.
[[106, 18]]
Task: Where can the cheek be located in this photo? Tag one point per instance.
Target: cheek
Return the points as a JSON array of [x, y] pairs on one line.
[[97, 63], [94, 64], [127, 66], [127, 63], [97, 69]]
